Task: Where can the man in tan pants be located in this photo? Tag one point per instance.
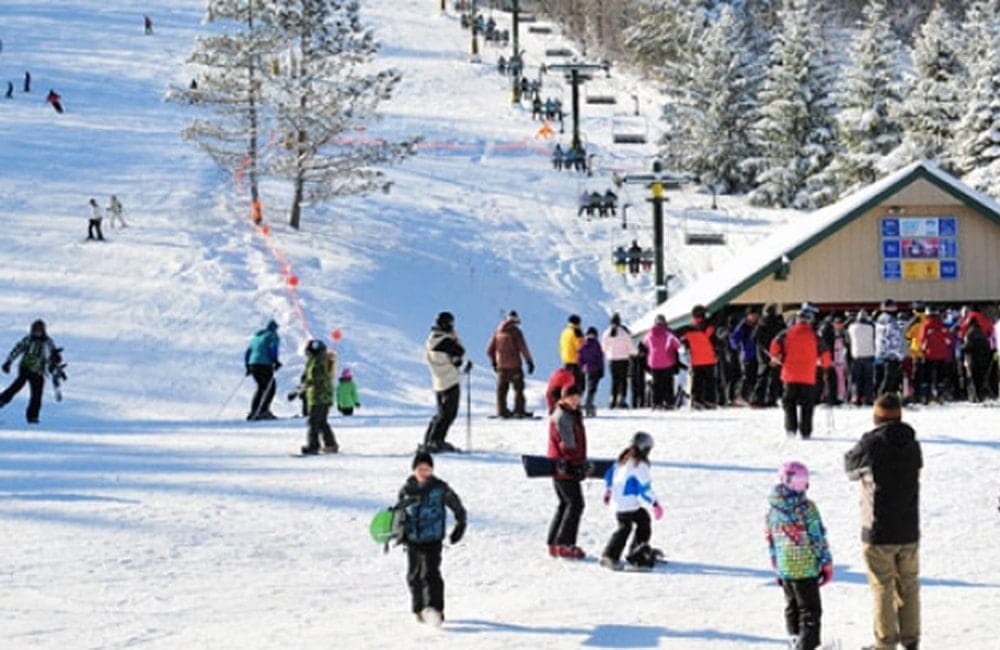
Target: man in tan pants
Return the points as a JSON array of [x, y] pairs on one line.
[[887, 461]]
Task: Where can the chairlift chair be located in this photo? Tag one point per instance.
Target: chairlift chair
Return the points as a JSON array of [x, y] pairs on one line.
[[600, 92], [704, 239], [539, 29], [628, 129], [527, 18], [559, 52]]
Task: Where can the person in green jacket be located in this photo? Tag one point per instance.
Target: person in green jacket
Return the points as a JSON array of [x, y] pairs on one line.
[[347, 394], [317, 384]]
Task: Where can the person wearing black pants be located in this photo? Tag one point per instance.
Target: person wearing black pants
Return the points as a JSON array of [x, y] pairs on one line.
[[803, 611], [260, 405], [36, 385], [423, 576], [703, 386], [626, 520], [799, 402], [38, 355], [619, 383], [444, 354], [447, 410], [663, 388], [568, 450], [637, 370], [566, 522]]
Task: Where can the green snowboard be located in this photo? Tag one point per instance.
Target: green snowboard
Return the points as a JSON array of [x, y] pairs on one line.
[[387, 525]]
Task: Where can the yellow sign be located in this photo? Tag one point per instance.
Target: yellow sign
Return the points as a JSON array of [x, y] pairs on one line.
[[921, 270]]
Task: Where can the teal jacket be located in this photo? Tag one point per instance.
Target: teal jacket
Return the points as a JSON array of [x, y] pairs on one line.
[[347, 394], [263, 348], [795, 535]]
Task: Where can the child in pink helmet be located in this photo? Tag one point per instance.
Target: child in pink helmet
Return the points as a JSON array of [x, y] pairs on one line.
[[347, 393]]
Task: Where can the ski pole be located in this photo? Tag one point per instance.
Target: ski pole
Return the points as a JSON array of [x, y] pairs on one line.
[[235, 390], [262, 400], [468, 409]]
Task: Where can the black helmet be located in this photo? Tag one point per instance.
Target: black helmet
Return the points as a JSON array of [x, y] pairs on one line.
[[316, 347], [642, 441]]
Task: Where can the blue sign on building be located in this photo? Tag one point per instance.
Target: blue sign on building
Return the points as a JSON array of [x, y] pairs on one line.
[[949, 269], [892, 270], [890, 227]]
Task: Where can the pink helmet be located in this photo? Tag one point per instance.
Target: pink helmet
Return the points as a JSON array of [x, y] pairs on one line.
[[794, 475]]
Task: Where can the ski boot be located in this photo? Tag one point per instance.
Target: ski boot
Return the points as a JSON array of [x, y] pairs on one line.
[[609, 563], [309, 451]]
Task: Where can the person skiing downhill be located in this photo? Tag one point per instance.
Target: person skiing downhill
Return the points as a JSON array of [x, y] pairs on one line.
[[94, 222], [800, 554], [39, 355], [115, 212], [445, 355], [628, 485], [317, 384], [261, 361]]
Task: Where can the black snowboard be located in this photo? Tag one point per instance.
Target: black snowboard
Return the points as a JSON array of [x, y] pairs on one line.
[[541, 466]]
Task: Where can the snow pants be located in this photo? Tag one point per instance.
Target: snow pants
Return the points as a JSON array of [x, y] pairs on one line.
[[593, 381], [798, 403], [863, 378], [893, 575], [447, 411], [637, 370], [566, 522], [703, 385], [423, 575], [626, 520], [94, 225], [663, 388], [747, 380], [319, 427], [262, 397], [36, 384], [978, 366], [619, 383], [768, 381], [508, 378], [803, 611]]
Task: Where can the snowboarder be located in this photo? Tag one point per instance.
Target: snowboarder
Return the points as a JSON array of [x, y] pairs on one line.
[[27, 81], [570, 341], [662, 345], [39, 355], [887, 460], [796, 352], [506, 349], [628, 484], [115, 212], [800, 554], [568, 447], [423, 499], [147, 25], [619, 348], [261, 361], [94, 223], [592, 366], [317, 384], [10, 90], [347, 393], [444, 354], [54, 99]]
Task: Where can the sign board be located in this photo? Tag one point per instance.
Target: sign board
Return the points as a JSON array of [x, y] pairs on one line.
[[919, 248]]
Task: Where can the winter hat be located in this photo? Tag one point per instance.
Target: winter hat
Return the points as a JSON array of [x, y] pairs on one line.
[[445, 320], [889, 305], [888, 408], [574, 319], [642, 441], [513, 317], [794, 476], [660, 319], [39, 327], [699, 311], [616, 319], [806, 315], [272, 325], [572, 389], [346, 375], [422, 458], [770, 309], [591, 331]]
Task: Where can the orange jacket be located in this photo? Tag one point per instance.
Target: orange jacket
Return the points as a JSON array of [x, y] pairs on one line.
[[797, 349], [699, 341]]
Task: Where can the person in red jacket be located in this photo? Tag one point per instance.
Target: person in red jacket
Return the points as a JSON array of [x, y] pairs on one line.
[[700, 341], [935, 343], [56, 101], [970, 315], [568, 448], [796, 350]]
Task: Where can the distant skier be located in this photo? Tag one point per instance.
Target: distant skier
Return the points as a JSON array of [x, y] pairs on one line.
[[445, 355], [56, 101], [800, 554], [39, 355], [629, 485], [424, 498], [592, 366], [568, 448], [27, 81], [10, 90], [557, 157], [506, 350], [261, 361], [147, 25], [317, 385], [115, 212], [347, 393], [94, 223]]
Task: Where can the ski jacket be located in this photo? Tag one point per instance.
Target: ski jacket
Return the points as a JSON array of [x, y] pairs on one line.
[[699, 340], [913, 336], [861, 338], [769, 326], [507, 347], [37, 354], [617, 343], [347, 394], [560, 378], [631, 484], [570, 342], [263, 348], [424, 507], [96, 213], [115, 207], [444, 355], [887, 460], [592, 357], [796, 538], [935, 340], [741, 338], [567, 442], [663, 346], [317, 381], [797, 349], [888, 338], [985, 326]]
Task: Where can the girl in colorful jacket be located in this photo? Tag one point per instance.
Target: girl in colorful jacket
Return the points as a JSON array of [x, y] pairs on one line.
[[800, 555], [629, 485], [347, 393]]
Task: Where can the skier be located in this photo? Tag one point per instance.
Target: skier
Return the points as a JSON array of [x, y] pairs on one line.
[[861, 340], [592, 366], [317, 385], [557, 157], [347, 393], [800, 554], [94, 223], [536, 109], [796, 351], [147, 25], [261, 361], [976, 360], [700, 341], [424, 498], [54, 99], [618, 348], [115, 210], [628, 483], [444, 355], [10, 90], [570, 341], [741, 339], [663, 346], [568, 447], [506, 349], [889, 349], [27, 81], [768, 381], [39, 355]]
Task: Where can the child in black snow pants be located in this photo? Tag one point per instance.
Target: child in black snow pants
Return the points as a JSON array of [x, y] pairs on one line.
[[424, 498]]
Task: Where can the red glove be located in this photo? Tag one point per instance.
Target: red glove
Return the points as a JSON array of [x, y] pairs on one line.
[[657, 511], [826, 574], [607, 497]]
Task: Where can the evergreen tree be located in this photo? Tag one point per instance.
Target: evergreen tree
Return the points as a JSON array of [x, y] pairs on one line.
[[870, 101], [934, 102], [329, 91], [794, 128], [981, 29]]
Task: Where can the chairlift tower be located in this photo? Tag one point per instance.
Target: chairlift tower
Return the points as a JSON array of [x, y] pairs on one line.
[[576, 74], [657, 182]]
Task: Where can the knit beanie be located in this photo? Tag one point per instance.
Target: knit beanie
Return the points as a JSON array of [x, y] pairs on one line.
[[887, 409], [423, 458]]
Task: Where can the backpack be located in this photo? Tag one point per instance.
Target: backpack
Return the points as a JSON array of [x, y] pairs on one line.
[[424, 520]]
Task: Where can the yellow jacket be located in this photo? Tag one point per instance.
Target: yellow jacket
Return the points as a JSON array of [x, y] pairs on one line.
[[570, 342], [913, 334]]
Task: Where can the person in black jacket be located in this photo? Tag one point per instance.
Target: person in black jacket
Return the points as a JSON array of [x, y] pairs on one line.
[[39, 356], [424, 498], [768, 386], [887, 460], [445, 355]]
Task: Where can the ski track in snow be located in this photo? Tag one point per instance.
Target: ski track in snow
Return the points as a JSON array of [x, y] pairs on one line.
[[134, 517]]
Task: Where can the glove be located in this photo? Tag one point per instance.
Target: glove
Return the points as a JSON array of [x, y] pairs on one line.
[[778, 581], [6, 367], [607, 497], [826, 574], [495, 366], [457, 533], [292, 395], [531, 368], [247, 368], [657, 511], [277, 365], [562, 467], [468, 367]]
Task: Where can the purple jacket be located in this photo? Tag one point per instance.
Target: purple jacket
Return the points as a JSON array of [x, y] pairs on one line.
[[663, 346], [592, 357], [741, 339]]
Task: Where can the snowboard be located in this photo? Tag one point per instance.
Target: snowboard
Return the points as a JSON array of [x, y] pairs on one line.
[[497, 417], [386, 525], [542, 466]]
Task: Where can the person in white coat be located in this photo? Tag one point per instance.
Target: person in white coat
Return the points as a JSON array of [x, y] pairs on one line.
[[94, 224], [619, 348], [861, 340], [115, 212], [629, 485]]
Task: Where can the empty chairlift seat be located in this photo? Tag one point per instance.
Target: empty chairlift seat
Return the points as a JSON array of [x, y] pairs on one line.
[[600, 91], [528, 18], [629, 130], [559, 52], [705, 239], [539, 29]]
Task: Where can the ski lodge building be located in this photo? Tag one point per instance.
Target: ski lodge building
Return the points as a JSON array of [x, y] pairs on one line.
[[918, 234]]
